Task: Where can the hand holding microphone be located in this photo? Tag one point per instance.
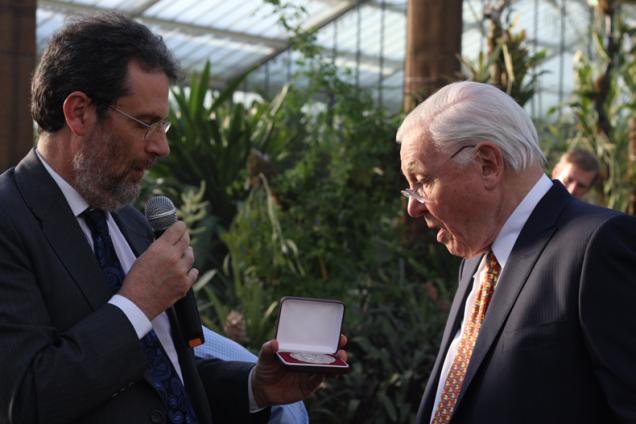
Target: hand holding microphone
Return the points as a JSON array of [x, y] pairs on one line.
[[161, 214], [163, 275]]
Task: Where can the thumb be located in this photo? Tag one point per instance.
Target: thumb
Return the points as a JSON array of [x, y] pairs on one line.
[[267, 354]]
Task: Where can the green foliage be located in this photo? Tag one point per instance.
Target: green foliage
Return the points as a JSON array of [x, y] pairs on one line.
[[394, 334], [256, 241], [508, 63], [193, 210], [329, 222], [610, 149], [337, 198], [332, 214], [251, 301], [210, 141], [260, 256], [601, 107]]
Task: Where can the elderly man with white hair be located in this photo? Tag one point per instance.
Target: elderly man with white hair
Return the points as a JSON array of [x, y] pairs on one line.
[[541, 327]]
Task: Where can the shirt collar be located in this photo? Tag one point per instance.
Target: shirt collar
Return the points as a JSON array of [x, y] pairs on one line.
[[73, 198], [511, 229]]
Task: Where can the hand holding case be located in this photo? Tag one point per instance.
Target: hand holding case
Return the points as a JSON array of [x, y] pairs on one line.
[[308, 332]]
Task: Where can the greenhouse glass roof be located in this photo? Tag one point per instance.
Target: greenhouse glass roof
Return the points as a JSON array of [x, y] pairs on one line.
[[365, 39], [239, 34]]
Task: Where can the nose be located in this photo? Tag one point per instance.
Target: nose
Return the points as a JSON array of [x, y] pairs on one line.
[[415, 209], [578, 192], [572, 188], [157, 144]]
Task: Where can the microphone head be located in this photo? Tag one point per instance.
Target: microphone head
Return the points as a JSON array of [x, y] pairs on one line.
[[160, 213]]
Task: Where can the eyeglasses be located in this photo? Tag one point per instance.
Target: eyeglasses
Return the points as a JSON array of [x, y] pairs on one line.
[[163, 125], [422, 191]]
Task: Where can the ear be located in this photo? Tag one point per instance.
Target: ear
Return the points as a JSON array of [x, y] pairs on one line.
[[491, 164], [79, 113]]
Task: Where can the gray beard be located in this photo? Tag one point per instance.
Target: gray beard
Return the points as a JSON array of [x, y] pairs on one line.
[[99, 188]]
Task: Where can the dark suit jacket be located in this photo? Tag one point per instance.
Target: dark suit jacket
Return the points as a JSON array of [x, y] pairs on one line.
[[66, 355], [558, 343]]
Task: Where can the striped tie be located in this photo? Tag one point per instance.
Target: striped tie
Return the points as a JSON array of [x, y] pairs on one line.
[[455, 379]]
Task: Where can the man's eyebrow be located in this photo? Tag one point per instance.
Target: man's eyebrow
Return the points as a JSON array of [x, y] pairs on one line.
[[414, 167], [150, 117]]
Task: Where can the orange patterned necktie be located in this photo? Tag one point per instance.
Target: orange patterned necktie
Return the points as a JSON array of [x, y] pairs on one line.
[[455, 378]]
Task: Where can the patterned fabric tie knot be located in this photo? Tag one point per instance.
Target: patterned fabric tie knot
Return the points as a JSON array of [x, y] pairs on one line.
[[96, 220], [104, 249], [468, 338]]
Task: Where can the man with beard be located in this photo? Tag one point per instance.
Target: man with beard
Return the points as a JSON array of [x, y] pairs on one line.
[[540, 330], [87, 329]]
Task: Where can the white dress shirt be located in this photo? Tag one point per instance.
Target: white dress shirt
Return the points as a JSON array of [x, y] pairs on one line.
[[501, 248]]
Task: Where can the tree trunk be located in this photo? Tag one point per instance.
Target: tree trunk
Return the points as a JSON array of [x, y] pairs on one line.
[[17, 60], [434, 34]]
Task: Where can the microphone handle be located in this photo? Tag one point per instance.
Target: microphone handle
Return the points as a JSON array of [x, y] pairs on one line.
[[188, 316], [189, 319]]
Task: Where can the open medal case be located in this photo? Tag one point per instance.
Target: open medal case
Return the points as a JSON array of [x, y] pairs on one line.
[[308, 332]]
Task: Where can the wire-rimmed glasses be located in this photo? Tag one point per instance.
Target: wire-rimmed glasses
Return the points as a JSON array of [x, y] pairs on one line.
[[163, 125], [421, 191]]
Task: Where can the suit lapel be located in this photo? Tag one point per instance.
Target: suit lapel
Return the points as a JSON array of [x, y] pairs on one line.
[[533, 238], [452, 325], [137, 240], [61, 228]]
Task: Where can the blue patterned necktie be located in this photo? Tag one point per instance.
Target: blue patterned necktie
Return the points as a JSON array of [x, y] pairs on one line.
[[165, 378]]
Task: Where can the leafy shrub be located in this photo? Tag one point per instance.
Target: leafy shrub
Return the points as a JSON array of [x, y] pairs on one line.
[[394, 334], [211, 141], [330, 223]]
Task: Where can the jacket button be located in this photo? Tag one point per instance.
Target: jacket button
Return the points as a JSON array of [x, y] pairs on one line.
[[156, 417]]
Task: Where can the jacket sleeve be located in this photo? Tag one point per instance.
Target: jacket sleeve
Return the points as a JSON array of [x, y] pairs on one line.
[[50, 373], [226, 387], [608, 314]]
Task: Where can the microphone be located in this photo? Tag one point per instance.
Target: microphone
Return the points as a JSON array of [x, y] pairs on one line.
[[161, 214]]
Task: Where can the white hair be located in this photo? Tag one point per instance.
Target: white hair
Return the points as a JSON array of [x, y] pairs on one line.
[[464, 112]]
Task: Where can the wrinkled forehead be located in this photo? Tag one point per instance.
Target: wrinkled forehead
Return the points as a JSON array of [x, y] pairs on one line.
[[413, 125], [417, 152], [415, 132]]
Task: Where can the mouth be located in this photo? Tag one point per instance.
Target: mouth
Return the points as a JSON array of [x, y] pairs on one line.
[[139, 169], [441, 231], [137, 173]]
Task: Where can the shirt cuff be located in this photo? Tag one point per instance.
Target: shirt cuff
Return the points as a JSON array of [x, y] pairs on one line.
[[250, 395], [137, 318]]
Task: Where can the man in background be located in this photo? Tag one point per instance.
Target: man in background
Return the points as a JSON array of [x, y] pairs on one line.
[[578, 170], [540, 327], [87, 329]]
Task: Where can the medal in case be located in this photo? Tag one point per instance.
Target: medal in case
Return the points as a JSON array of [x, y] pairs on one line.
[[308, 332]]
